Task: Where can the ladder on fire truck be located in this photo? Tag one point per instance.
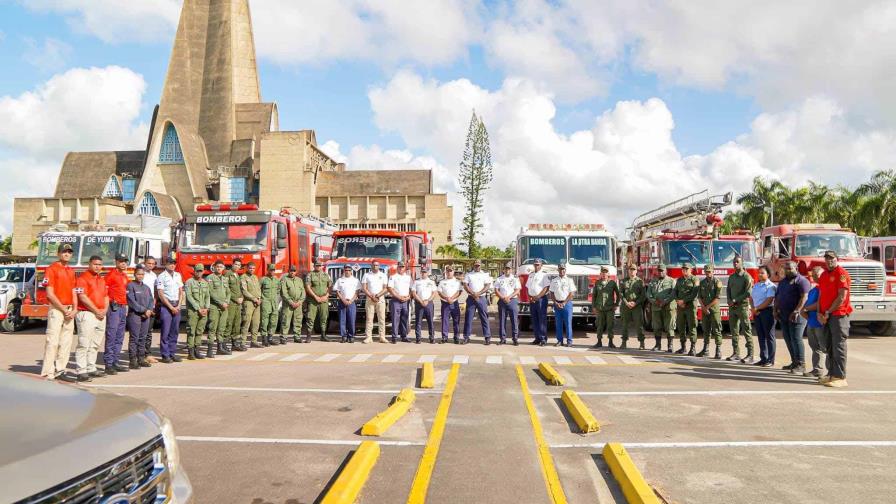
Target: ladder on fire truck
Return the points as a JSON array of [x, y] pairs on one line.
[[688, 214]]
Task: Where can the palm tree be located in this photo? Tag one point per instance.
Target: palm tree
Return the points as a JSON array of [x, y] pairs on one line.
[[877, 205]]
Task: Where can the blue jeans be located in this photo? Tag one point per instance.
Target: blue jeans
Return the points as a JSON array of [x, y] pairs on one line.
[[793, 337], [765, 333], [563, 321], [539, 312], [347, 316]]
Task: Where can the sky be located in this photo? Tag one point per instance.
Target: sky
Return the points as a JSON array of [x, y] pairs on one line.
[[597, 110]]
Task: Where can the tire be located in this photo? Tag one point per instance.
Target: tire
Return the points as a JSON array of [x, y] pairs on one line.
[[882, 328], [14, 321]]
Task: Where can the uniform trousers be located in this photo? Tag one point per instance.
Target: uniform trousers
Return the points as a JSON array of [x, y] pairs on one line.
[[90, 334], [477, 307], [836, 333], [563, 322], [510, 311], [347, 314], [170, 329], [137, 329], [58, 344], [116, 322], [399, 312], [765, 333], [378, 309], [450, 311], [539, 313], [421, 312], [818, 345]]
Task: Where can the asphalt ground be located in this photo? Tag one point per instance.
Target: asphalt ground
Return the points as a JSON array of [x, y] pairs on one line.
[[275, 425]]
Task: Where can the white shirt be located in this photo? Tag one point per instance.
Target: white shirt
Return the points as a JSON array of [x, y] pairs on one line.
[[347, 287], [424, 288], [149, 280], [537, 281], [507, 285], [375, 282], [562, 287], [401, 284], [169, 285], [449, 287], [477, 281]]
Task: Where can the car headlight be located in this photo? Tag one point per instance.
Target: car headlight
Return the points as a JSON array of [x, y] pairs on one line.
[[3, 289], [172, 454]]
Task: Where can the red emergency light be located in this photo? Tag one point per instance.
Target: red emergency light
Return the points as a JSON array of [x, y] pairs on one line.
[[567, 227], [226, 207]]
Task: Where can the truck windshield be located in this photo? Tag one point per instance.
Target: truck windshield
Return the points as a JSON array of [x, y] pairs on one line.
[[724, 252], [382, 247], [248, 237], [49, 244], [8, 274], [551, 249], [106, 247], [591, 250], [695, 252], [814, 245]]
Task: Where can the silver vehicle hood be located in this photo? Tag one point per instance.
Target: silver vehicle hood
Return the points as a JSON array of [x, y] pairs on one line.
[[51, 433]]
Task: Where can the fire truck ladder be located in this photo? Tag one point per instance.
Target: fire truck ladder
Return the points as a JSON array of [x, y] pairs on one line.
[[692, 206]]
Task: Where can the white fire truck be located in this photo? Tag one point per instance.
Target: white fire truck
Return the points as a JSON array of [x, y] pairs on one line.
[[584, 248]]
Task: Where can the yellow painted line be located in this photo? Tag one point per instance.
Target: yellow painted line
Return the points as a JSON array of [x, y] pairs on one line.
[[635, 489], [378, 425], [550, 374], [548, 470], [351, 480], [579, 412], [427, 378], [431, 451]]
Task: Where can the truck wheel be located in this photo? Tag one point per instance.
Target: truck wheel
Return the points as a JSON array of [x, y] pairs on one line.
[[525, 323], [14, 321], [883, 328]]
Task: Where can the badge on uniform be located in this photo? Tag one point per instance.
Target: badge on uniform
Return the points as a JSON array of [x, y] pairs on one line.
[[842, 278]]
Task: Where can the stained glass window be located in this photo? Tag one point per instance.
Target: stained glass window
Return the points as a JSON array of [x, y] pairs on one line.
[[148, 205], [112, 189], [170, 152]]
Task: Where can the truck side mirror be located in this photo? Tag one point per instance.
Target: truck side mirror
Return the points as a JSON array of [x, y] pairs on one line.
[[422, 252]]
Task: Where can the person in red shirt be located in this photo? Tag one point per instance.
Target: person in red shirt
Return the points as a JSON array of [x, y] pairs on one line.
[[116, 315], [93, 300], [833, 313], [60, 283]]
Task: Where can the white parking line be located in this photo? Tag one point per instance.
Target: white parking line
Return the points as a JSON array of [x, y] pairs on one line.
[[735, 444], [361, 357], [726, 392], [227, 357], [327, 357], [338, 442], [527, 360], [262, 356], [461, 359], [593, 359], [257, 389], [494, 359], [426, 358], [392, 358], [628, 359], [560, 359], [293, 357]]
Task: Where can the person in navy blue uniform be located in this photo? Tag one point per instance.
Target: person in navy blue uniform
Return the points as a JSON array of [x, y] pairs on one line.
[[140, 313]]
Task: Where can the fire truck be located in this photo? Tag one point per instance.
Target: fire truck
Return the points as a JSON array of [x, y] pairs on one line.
[[883, 249], [360, 247], [689, 230], [584, 248], [872, 292], [134, 236], [227, 232]]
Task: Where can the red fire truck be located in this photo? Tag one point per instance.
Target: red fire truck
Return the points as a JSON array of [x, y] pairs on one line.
[[265, 237], [872, 292], [688, 230]]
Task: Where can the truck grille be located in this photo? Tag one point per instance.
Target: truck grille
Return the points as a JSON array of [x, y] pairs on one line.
[[583, 289], [336, 272], [863, 276], [141, 475]]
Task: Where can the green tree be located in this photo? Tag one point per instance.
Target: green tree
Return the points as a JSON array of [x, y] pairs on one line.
[[451, 251], [876, 205], [475, 176], [6, 245]]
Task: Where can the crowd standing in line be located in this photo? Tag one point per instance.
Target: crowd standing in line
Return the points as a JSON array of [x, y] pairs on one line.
[[234, 307]]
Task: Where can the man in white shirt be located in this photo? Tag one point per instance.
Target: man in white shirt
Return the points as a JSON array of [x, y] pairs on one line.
[[400, 289], [508, 287], [449, 291], [346, 288], [374, 286], [170, 289], [424, 292], [476, 283], [537, 286], [149, 279], [562, 290]]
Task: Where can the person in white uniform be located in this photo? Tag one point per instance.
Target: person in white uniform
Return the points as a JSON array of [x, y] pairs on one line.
[[562, 290], [374, 286], [476, 283], [400, 289], [508, 287], [424, 292], [537, 286], [449, 291], [347, 287]]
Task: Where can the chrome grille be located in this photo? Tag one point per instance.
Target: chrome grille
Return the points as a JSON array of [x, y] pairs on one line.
[[862, 276], [141, 475], [336, 272], [583, 289]]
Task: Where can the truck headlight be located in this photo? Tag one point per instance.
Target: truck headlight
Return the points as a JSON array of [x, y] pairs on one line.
[[172, 454], [3, 289]]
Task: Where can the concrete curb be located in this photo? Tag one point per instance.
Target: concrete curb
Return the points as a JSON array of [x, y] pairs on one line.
[[427, 378], [633, 486], [579, 412], [351, 480], [550, 374], [378, 425]]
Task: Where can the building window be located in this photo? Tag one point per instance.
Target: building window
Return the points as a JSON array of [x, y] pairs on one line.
[[170, 152], [128, 189], [148, 205], [237, 189], [112, 189]]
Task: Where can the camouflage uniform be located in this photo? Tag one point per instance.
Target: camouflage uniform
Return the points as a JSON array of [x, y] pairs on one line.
[[292, 289], [686, 320], [660, 295], [711, 290], [198, 297], [270, 308], [217, 314], [318, 312], [251, 291], [632, 290], [604, 296], [234, 311], [738, 291]]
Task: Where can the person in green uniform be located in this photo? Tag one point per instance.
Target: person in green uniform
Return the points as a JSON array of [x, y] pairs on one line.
[[686, 308], [318, 284], [710, 291], [292, 291], [604, 297], [198, 304], [270, 305], [633, 294], [251, 288], [234, 323], [740, 284], [660, 295], [219, 294]]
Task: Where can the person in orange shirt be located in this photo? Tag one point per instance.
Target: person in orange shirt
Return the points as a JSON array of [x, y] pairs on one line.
[[60, 283], [116, 315], [93, 300], [834, 308]]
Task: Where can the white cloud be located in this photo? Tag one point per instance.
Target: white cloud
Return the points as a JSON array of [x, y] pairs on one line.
[[114, 20], [48, 56]]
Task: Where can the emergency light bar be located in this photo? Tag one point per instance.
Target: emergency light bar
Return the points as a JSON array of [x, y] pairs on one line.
[[567, 227], [831, 227], [226, 208]]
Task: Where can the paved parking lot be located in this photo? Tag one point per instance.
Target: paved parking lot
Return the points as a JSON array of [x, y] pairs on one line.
[[274, 425]]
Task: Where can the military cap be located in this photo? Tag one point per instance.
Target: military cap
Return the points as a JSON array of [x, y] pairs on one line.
[[604, 269], [632, 267], [477, 262], [686, 265], [508, 265], [121, 258], [538, 261], [399, 265], [237, 260], [219, 262], [66, 247], [561, 266], [317, 261], [292, 267], [830, 253], [250, 263], [661, 267], [708, 267], [198, 267], [347, 267]]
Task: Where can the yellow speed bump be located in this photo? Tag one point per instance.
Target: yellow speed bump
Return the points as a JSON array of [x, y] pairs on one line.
[[550, 374], [635, 489], [427, 379], [579, 412], [351, 480], [377, 425]]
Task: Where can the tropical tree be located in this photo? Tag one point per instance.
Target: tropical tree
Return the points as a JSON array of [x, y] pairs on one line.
[[6, 245], [475, 176], [875, 214], [451, 251]]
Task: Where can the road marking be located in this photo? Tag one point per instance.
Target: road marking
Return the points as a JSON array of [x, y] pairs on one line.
[[494, 359], [628, 359], [327, 357], [337, 442], [561, 359], [293, 357], [461, 359], [593, 359], [528, 360], [257, 389], [423, 475], [262, 356], [226, 357], [426, 358], [361, 357], [727, 392], [737, 444], [548, 471], [392, 358]]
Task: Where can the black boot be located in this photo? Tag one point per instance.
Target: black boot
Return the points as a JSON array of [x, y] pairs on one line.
[[641, 345], [210, 351], [197, 353], [324, 338], [681, 350], [134, 364], [748, 359], [191, 354], [624, 343], [282, 340], [669, 344], [600, 343], [612, 345], [659, 345], [296, 338], [223, 350], [691, 349], [702, 352], [255, 344], [718, 355]]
